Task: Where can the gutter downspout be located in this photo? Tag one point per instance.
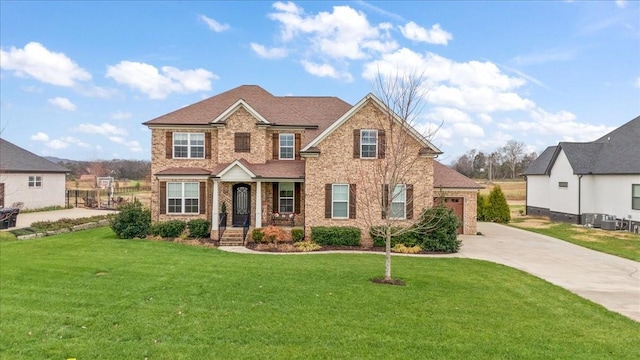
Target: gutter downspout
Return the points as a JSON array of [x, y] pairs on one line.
[[579, 199], [526, 195]]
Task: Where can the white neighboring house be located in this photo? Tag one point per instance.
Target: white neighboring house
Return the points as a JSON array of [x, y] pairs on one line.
[[29, 179], [601, 177]]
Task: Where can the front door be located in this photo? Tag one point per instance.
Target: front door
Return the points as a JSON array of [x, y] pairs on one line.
[[241, 204]]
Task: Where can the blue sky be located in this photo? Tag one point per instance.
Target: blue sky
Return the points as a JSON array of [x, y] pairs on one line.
[[79, 78]]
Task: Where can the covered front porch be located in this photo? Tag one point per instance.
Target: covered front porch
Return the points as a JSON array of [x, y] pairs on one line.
[[243, 198]]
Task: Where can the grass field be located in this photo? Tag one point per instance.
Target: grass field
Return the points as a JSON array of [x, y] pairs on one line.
[[87, 295], [619, 243], [513, 190]]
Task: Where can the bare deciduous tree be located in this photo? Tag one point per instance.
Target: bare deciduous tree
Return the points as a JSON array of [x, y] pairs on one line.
[[397, 185]]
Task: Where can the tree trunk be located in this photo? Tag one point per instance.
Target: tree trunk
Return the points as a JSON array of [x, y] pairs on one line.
[[387, 265]]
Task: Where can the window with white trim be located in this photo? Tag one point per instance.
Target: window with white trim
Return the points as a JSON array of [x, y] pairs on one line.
[[285, 197], [35, 181], [183, 198], [368, 144], [635, 196], [287, 142], [340, 201], [399, 202], [188, 145]]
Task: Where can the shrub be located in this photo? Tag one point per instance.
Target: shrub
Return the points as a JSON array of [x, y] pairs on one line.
[[441, 230], [297, 234], [199, 228], [257, 235], [400, 248], [306, 246], [275, 234], [497, 209], [408, 238], [482, 208], [132, 221], [336, 235], [168, 229]]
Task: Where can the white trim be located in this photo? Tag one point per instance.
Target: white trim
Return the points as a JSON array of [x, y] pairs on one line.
[[231, 166], [231, 109], [393, 198], [293, 196], [376, 144], [258, 204], [182, 198], [189, 146], [293, 147], [182, 177], [214, 213], [370, 97]]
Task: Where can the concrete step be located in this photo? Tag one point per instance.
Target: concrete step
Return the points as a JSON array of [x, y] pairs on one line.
[[231, 242]]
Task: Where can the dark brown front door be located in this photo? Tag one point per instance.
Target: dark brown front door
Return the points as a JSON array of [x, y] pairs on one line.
[[241, 204], [457, 205]]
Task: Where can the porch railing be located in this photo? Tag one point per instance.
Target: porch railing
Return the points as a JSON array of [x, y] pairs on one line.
[[245, 230], [222, 225]]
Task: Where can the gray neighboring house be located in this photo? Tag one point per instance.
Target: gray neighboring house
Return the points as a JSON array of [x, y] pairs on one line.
[[29, 179], [600, 177]]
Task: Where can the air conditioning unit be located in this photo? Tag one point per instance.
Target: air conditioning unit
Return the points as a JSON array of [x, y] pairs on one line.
[[608, 224], [588, 219]]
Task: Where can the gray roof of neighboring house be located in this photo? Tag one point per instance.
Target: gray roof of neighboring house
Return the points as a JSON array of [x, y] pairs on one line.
[[16, 159], [618, 152]]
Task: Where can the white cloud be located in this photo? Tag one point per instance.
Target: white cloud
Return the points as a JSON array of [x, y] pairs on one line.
[[637, 83], [121, 115], [448, 115], [133, 145], [102, 129], [38, 62], [468, 130], [40, 136], [436, 35], [325, 70], [621, 3], [148, 80], [273, 53], [62, 103], [57, 144], [214, 25]]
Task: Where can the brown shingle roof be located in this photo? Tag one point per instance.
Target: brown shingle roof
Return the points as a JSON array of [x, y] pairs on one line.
[[272, 169], [184, 171], [445, 177], [318, 111]]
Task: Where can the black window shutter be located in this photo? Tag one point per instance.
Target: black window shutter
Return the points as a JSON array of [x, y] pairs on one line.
[[356, 143], [276, 146], [409, 199], [203, 198], [274, 197], [207, 145], [327, 200], [352, 201], [169, 144], [163, 197], [297, 146], [297, 198], [382, 144], [385, 200]]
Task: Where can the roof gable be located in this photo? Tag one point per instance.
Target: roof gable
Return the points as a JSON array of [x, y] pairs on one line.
[[233, 108], [16, 159], [369, 98]]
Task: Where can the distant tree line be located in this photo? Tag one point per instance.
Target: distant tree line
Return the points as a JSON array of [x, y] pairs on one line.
[[507, 162], [119, 169]]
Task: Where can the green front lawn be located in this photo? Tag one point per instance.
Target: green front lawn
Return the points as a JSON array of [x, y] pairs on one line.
[[620, 243], [88, 295]]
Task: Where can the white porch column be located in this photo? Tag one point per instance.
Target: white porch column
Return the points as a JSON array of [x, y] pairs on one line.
[[259, 204], [214, 213]]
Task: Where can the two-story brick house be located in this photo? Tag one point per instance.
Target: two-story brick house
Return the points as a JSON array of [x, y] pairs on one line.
[[257, 155]]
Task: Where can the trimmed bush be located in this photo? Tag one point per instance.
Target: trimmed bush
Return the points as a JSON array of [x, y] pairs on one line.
[[400, 248], [497, 209], [408, 238], [133, 221], [297, 234], [336, 235], [257, 235], [168, 229], [306, 246], [199, 228], [275, 234], [444, 236]]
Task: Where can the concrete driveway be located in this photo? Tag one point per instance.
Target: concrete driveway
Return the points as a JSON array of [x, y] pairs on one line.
[[608, 280]]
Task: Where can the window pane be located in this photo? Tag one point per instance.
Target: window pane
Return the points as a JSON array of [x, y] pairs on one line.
[[174, 190], [175, 205], [340, 209], [197, 139], [286, 189], [340, 192], [191, 190], [286, 146], [197, 152], [399, 194], [180, 138], [635, 203], [369, 137], [286, 205], [397, 210], [286, 139], [636, 190], [191, 205]]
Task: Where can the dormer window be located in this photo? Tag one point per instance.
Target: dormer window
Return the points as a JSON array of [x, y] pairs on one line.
[[287, 147]]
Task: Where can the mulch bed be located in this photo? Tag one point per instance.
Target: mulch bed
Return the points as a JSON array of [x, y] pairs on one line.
[[254, 247]]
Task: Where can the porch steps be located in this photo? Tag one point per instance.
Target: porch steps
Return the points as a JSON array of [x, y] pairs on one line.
[[231, 237]]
